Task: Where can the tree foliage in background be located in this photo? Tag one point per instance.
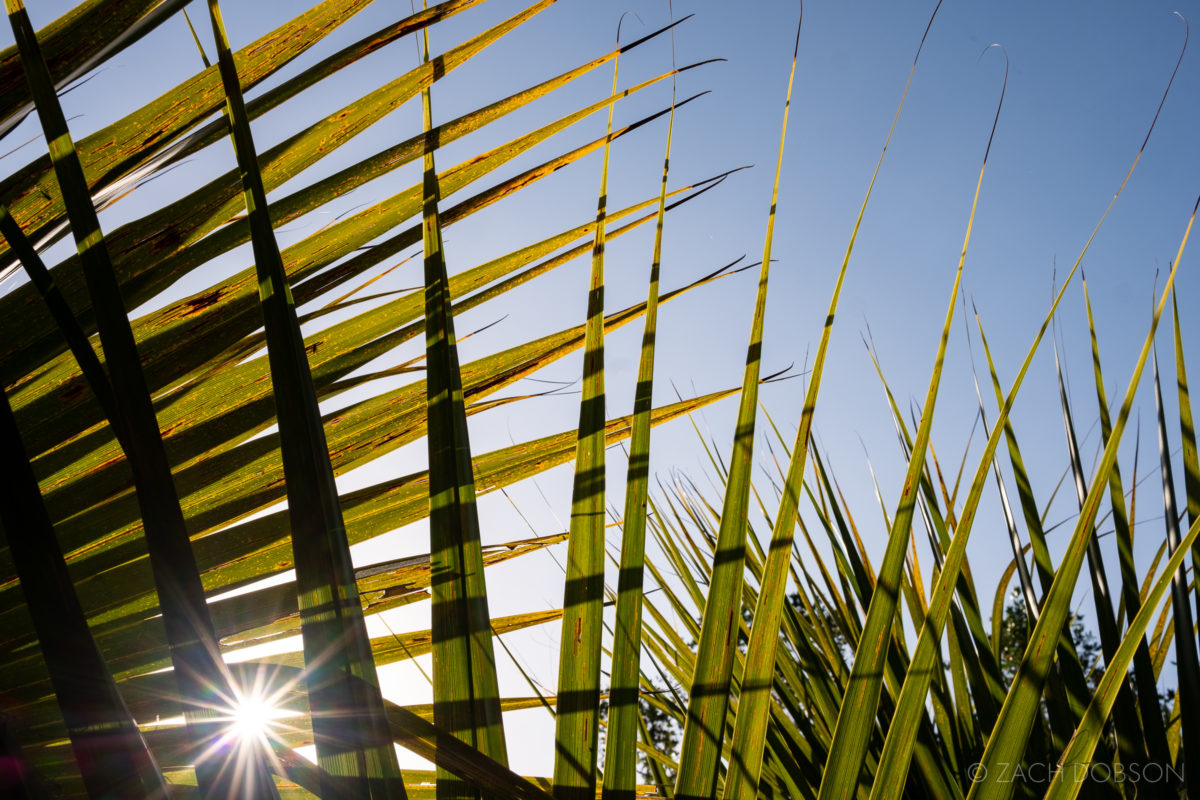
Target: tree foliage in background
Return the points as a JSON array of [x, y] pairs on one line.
[[1014, 633]]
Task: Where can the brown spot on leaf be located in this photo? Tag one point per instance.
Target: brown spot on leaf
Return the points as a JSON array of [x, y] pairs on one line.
[[198, 304], [74, 393]]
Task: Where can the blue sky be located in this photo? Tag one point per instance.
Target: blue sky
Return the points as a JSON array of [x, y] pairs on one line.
[[1085, 80]]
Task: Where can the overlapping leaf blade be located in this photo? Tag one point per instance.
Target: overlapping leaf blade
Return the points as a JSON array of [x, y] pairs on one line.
[[354, 748], [201, 676]]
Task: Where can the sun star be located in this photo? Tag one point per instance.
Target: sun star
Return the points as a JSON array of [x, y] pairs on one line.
[[253, 718]]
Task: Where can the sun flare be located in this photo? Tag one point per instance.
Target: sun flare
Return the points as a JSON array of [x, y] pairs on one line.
[[256, 715], [253, 718]]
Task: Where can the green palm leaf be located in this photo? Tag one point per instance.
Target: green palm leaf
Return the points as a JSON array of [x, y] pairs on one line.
[[1065, 783], [466, 692], [354, 749], [113, 759], [1187, 662], [708, 692], [1130, 739], [1143, 668], [1016, 717], [201, 676], [625, 720], [576, 725], [855, 723]]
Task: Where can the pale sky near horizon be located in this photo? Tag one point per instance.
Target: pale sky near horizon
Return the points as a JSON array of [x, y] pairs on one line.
[[1085, 80]]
